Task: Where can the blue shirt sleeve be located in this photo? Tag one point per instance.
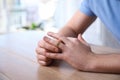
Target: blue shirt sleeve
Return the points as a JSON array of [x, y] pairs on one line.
[[85, 8]]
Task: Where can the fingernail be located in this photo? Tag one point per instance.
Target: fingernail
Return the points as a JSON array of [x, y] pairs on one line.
[[45, 38]]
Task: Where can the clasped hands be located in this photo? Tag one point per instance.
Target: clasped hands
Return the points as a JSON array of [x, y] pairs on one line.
[[74, 51]]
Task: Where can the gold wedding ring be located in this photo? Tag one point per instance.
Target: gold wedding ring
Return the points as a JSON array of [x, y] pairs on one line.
[[58, 43]]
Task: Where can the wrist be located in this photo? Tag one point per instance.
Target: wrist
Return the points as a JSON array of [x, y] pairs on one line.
[[90, 63]]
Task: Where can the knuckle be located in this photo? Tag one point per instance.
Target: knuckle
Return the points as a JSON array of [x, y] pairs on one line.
[[42, 58], [55, 49], [55, 55], [37, 50], [45, 59], [51, 48], [41, 43], [40, 51], [65, 57], [75, 40], [44, 51]]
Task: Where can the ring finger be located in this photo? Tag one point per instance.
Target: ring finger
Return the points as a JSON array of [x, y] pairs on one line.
[[48, 46], [57, 43]]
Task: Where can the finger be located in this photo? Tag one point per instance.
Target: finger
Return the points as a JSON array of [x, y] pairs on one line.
[[58, 37], [43, 63], [56, 43], [48, 46], [42, 58], [80, 38], [55, 55], [40, 51], [41, 41]]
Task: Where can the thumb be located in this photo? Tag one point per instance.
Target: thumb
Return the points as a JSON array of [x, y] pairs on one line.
[[80, 38]]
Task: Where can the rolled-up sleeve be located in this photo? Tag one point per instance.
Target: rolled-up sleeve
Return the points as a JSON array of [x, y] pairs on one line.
[[85, 8]]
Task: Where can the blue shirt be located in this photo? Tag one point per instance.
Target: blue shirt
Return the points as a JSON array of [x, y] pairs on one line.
[[107, 10]]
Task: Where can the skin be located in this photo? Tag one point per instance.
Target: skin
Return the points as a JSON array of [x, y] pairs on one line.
[[74, 49], [77, 24]]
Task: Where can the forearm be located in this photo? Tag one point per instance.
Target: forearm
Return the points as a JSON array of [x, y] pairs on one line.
[[77, 24], [104, 63], [68, 32]]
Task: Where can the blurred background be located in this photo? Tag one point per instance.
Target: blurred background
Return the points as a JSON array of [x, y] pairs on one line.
[[48, 15]]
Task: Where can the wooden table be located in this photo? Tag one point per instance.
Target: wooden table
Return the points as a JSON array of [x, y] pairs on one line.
[[18, 61]]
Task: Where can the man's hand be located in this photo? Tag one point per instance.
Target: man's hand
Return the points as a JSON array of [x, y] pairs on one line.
[[75, 51], [43, 48]]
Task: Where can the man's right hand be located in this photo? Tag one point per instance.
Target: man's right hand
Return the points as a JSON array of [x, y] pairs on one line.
[[41, 49]]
